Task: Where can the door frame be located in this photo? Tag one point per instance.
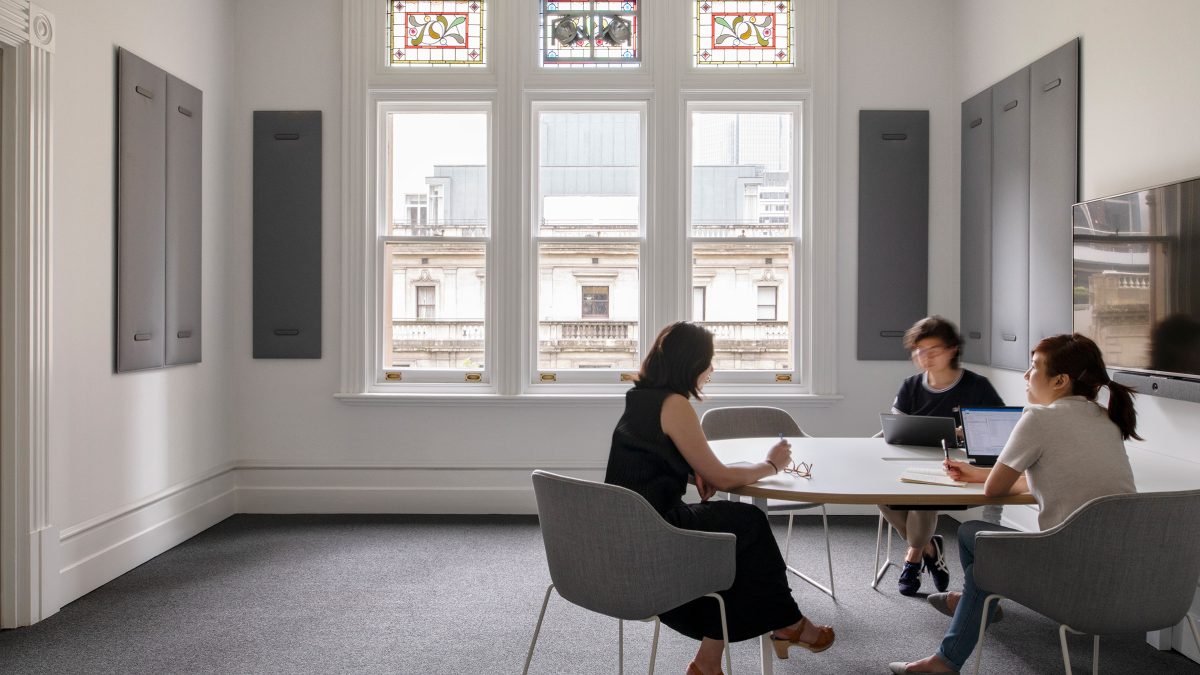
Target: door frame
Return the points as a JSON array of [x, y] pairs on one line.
[[28, 540]]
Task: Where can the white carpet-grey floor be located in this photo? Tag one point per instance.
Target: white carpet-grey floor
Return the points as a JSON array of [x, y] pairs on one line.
[[444, 594]]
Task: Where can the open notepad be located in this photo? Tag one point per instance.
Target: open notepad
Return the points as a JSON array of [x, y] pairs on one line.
[[915, 474]]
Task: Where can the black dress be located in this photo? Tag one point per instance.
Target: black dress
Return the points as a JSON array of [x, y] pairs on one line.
[[645, 460]]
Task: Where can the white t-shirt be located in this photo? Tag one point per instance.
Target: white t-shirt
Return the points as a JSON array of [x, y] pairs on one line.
[[1071, 453]]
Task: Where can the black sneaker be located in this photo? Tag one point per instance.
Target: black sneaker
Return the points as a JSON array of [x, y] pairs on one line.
[[910, 578], [936, 564]]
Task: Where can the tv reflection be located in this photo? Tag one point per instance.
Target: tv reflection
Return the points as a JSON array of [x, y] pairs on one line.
[[1175, 345]]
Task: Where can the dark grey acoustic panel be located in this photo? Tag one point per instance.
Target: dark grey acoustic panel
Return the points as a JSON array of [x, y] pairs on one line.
[[975, 258], [185, 124], [893, 228], [141, 157], [1053, 188], [287, 234], [1010, 222]]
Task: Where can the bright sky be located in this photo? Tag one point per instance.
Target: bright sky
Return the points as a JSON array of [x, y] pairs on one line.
[[421, 140]]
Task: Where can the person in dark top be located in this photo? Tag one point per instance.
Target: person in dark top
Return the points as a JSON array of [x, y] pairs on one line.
[[938, 391], [657, 444]]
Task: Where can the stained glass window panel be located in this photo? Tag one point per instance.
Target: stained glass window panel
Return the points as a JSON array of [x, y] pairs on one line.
[[744, 33], [589, 32], [436, 32]]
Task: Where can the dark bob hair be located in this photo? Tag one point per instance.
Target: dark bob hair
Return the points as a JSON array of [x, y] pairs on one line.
[[681, 352], [1077, 357], [935, 327]]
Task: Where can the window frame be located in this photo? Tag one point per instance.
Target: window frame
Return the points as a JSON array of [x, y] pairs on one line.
[[583, 380], [666, 81], [797, 103], [393, 379]]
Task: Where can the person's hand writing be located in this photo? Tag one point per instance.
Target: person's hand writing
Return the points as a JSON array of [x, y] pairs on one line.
[[964, 472], [706, 491], [780, 454]]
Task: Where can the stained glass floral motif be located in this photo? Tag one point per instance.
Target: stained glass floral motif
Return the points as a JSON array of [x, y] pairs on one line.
[[589, 32], [436, 32], [743, 33]]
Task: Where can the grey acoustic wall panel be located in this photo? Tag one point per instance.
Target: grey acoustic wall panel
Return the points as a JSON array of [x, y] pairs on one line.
[[141, 233], [1010, 222], [184, 112], [287, 234], [1053, 188], [975, 259], [893, 228]]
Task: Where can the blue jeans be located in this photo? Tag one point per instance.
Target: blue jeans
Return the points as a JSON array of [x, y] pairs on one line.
[[964, 628]]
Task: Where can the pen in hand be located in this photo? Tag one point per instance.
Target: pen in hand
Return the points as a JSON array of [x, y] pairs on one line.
[[945, 450]]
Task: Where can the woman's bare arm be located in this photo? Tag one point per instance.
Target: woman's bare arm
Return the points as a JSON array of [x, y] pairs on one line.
[[680, 423]]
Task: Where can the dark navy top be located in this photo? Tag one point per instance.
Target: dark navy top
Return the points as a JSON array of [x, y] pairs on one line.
[[972, 389], [643, 458]]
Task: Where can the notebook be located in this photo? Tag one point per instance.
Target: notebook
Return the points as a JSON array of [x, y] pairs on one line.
[[918, 430], [915, 474], [986, 430]]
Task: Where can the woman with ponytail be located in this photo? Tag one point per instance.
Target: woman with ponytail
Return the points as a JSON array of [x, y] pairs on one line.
[[1066, 450]]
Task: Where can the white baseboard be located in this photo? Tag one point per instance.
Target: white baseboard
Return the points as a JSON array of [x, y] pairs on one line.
[[93, 553], [314, 499]]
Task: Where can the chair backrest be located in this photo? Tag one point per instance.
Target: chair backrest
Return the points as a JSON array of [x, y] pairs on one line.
[[1119, 564], [748, 422], [609, 551]]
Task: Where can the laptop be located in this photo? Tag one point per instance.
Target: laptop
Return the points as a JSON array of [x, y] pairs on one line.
[[986, 430], [918, 430]]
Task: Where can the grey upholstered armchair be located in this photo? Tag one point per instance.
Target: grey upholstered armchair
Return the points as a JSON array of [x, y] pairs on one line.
[[768, 422], [609, 551], [1119, 564]]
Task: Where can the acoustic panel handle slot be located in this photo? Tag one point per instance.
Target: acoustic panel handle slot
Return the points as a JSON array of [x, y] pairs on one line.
[[975, 335], [1052, 84], [184, 111], [287, 137], [1010, 105], [1008, 337], [142, 337], [891, 333], [895, 137], [184, 334], [285, 332], [976, 122], [144, 91]]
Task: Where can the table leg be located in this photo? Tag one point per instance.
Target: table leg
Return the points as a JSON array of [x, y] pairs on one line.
[[768, 651]]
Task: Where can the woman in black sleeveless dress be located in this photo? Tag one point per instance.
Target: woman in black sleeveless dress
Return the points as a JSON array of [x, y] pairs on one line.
[[657, 444]]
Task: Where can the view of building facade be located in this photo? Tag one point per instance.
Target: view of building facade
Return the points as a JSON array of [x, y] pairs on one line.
[[588, 253]]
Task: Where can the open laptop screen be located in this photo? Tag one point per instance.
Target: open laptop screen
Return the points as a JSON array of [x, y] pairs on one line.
[[986, 430]]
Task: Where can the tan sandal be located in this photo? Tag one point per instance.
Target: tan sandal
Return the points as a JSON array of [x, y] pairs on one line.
[[787, 637]]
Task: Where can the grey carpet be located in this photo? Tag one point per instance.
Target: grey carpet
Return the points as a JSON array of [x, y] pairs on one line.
[[442, 594]]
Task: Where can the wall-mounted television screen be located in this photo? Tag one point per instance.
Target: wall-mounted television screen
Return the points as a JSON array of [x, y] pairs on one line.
[[1136, 276]]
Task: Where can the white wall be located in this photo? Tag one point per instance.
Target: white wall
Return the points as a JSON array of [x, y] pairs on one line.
[[129, 452], [1139, 97], [288, 422]]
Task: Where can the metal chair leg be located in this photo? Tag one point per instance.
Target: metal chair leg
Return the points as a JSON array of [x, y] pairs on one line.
[[888, 561], [654, 645], [1095, 655], [982, 625], [620, 647], [724, 632], [1062, 641], [537, 629], [827, 590]]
